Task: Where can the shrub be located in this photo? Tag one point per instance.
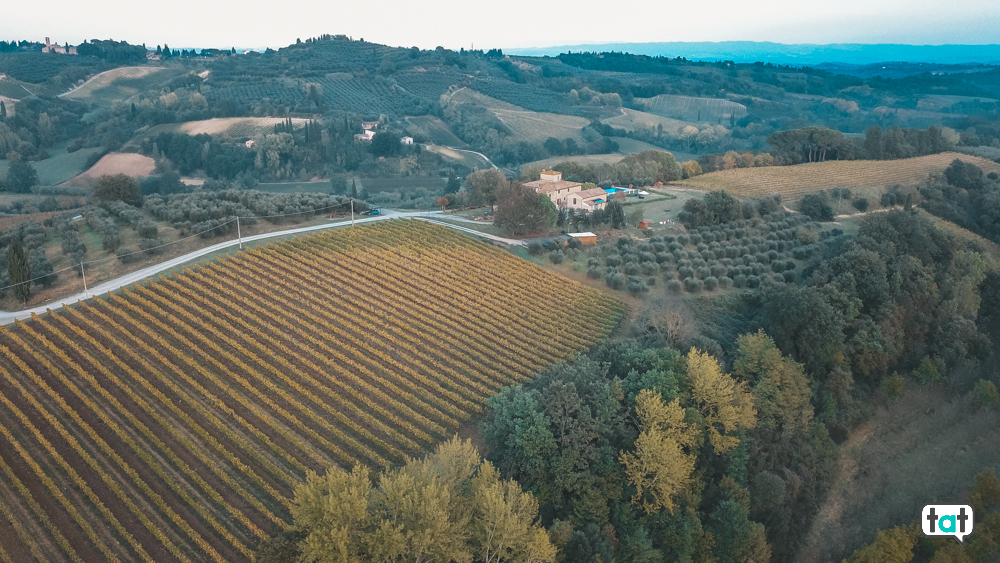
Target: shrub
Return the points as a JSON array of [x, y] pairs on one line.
[[816, 207], [651, 281], [861, 204], [725, 282], [739, 281], [685, 273], [674, 286], [593, 272], [693, 285], [124, 255], [753, 281], [647, 268], [789, 276], [631, 269], [613, 260], [683, 240], [986, 397], [893, 386], [614, 280], [147, 229], [711, 283], [778, 278], [556, 256], [637, 286], [151, 245], [574, 243], [536, 249]]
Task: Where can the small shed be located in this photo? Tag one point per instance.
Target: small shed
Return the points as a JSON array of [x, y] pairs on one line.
[[644, 224], [585, 238]]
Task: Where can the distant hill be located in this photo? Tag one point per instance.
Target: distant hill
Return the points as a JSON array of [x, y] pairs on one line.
[[794, 54]]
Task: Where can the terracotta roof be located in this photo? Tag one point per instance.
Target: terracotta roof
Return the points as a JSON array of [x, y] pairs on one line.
[[546, 186], [591, 193]]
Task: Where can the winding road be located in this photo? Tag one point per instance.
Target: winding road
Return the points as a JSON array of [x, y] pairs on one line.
[[8, 317]]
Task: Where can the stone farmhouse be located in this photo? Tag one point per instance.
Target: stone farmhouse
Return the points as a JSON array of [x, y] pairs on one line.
[[568, 194]]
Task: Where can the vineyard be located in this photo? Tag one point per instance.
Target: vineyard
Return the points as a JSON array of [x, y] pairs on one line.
[[11, 89], [120, 83], [369, 96], [173, 421], [711, 110], [792, 182], [632, 120], [429, 85], [526, 96], [248, 94]]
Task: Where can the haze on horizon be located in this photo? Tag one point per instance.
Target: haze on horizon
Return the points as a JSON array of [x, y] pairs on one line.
[[518, 23]]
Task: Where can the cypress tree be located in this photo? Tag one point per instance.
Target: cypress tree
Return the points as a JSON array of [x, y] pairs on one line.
[[3, 111], [19, 270]]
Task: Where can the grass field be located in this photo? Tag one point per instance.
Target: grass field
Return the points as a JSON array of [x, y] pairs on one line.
[[792, 182], [322, 187], [701, 110], [631, 120], [626, 147], [12, 89], [526, 125], [173, 421], [402, 184], [237, 127], [924, 447], [59, 167], [437, 131], [133, 164], [121, 83]]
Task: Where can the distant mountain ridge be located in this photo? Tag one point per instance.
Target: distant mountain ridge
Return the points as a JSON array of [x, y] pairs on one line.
[[791, 54]]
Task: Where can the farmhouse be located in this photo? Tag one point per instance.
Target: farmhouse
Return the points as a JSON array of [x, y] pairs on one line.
[[57, 48], [586, 200], [406, 140], [368, 135], [552, 185], [369, 125]]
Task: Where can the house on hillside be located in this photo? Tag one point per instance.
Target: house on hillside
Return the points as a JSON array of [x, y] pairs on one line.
[[406, 140], [369, 125], [586, 200], [552, 185], [368, 135]]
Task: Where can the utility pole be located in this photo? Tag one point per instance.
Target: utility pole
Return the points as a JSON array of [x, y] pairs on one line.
[[239, 233], [352, 211], [82, 273]]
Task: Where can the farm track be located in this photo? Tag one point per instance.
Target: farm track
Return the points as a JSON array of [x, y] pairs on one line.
[[172, 422]]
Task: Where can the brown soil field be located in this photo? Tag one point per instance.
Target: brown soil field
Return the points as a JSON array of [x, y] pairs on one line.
[[135, 165]]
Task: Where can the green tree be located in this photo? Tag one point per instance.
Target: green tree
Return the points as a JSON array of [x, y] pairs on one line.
[[482, 186], [661, 465], [117, 187], [19, 269], [8, 140], [520, 210], [615, 212], [986, 394], [21, 176], [722, 207], [894, 386], [725, 404], [41, 267]]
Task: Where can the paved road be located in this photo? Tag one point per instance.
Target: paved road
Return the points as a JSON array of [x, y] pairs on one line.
[[7, 317]]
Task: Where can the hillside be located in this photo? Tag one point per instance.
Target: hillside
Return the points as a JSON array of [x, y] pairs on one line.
[[174, 421], [121, 83], [135, 165], [792, 182]]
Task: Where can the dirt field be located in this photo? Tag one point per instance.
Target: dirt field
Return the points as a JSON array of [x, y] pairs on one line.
[[631, 120], [237, 126], [135, 165], [793, 182]]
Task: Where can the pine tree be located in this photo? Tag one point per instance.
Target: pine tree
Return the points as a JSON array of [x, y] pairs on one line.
[[18, 267]]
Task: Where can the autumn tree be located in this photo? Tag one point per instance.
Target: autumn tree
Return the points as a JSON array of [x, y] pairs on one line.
[[780, 386], [448, 506], [443, 202], [725, 404], [661, 465]]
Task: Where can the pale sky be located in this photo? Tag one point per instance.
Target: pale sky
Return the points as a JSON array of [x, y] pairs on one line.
[[505, 24]]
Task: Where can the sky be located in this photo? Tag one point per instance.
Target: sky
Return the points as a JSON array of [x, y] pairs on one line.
[[507, 24]]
